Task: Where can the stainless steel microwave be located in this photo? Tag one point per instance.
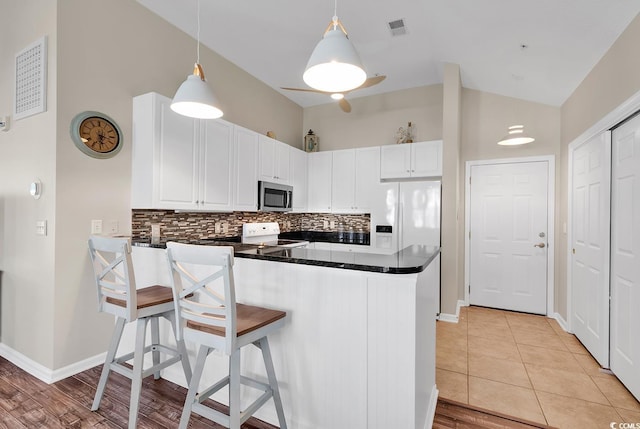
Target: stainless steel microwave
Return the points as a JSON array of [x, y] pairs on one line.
[[274, 197]]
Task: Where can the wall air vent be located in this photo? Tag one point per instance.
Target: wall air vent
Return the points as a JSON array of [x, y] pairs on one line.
[[397, 27]]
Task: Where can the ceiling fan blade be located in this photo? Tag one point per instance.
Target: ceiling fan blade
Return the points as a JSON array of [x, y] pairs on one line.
[[344, 105], [306, 90], [372, 81]]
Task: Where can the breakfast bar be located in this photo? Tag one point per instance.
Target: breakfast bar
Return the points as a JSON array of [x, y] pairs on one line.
[[358, 346]]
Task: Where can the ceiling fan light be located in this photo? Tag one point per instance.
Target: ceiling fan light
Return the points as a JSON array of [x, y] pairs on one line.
[[515, 136], [194, 98], [334, 65], [337, 96]]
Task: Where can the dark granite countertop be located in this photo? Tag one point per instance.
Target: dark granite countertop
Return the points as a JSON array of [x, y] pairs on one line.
[[412, 259]]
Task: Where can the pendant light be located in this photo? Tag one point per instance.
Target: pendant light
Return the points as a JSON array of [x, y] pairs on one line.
[[516, 136], [334, 65], [194, 98]]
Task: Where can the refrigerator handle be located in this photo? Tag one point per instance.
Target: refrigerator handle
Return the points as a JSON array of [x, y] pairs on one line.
[[399, 223]]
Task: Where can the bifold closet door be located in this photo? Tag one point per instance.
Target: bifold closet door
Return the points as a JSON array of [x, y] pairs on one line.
[[625, 255], [590, 202]]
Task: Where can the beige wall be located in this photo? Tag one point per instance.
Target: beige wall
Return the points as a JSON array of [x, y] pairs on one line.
[[99, 70], [27, 152], [374, 120], [452, 215]]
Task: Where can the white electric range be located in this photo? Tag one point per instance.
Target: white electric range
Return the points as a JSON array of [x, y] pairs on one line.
[[266, 234]]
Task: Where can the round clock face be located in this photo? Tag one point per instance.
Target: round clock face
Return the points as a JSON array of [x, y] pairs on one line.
[[96, 134]]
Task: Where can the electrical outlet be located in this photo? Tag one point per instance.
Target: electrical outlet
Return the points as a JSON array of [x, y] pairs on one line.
[[332, 224], [155, 230], [326, 224], [217, 228], [41, 227], [225, 228], [96, 226]]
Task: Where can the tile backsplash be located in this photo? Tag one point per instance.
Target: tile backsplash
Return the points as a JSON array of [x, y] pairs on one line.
[[197, 225]]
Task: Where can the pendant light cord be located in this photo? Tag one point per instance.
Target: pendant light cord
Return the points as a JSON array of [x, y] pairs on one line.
[[335, 14], [198, 33]]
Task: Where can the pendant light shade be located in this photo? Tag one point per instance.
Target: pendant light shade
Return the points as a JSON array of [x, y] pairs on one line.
[[194, 98], [515, 136], [334, 65]]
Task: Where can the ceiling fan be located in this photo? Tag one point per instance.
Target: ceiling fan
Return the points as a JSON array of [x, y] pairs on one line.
[[342, 102]]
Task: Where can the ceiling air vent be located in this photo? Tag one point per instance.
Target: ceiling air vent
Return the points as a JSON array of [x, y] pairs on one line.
[[397, 27]]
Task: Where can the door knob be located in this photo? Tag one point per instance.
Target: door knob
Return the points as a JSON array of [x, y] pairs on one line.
[[540, 245]]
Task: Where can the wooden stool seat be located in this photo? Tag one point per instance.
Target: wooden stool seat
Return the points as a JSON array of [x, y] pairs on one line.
[[248, 319], [147, 297]]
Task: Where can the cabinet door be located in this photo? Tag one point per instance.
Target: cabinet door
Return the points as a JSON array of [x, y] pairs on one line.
[[298, 171], [426, 159], [282, 160], [395, 161], [343, 181], [367, 178], [217, 162], [176, 173], [246, 170], [267, 160], [319, 182]]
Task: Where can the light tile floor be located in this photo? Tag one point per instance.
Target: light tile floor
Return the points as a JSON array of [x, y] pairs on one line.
[[527, 366]]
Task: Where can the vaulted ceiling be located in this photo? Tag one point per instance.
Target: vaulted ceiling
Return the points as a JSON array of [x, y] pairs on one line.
[[537, 50]]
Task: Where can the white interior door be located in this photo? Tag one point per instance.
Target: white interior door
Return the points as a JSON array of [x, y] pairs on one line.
[[590, 246], [508, 236], [625, 255]]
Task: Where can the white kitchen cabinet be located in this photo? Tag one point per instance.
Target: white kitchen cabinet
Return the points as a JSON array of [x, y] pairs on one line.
[[422, 159], [274, 161], [179, 163], [245, 192], [298, 170], [319, 177], [355, 174]]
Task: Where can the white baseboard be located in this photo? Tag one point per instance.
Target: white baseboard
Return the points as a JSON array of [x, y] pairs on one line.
[[563, 323], [452, 318], [43, 373], [431, 410]]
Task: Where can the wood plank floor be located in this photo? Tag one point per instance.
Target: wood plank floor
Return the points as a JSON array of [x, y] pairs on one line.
[[26, 402]]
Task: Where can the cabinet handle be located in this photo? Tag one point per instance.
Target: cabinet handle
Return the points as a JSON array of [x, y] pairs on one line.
[[408, 171]]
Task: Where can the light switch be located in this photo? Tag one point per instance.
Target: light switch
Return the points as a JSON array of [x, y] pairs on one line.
[[113, 227], [217, 228], [41, 227], [96, 226]]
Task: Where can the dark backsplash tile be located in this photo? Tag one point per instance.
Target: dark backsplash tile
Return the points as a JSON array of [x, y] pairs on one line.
[[198, 225]]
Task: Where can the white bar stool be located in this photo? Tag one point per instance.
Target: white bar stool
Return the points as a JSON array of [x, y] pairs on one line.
[[117, 294], [213, 319]]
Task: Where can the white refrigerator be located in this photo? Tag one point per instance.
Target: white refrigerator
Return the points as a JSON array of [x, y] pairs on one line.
[[406, 213]]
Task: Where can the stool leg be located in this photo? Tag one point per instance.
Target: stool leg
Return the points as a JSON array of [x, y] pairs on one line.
[[273, 382], [111, 355], [234, 390], [184, 355], [155, 340], [203, 352], [136, 379]]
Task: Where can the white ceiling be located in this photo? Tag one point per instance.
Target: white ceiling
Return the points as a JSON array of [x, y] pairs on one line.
[[272, 40]]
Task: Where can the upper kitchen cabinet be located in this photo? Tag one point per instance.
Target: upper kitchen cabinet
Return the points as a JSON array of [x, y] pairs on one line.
[[274, 161], [355, 174], [319, 167], [298, 171], [245, 193], [179, 163], [422, 159]]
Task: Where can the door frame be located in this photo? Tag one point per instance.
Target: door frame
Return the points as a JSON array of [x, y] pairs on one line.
[[617, 115], [551, 204]]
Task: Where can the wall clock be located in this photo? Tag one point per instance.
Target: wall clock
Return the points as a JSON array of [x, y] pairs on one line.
[[96, 134]]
